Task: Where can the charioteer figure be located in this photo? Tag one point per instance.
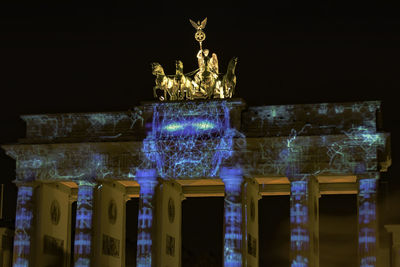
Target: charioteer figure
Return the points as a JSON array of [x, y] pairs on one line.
[[207, 75]]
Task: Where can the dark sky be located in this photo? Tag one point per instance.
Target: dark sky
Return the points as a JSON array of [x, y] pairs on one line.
[[71, 57]]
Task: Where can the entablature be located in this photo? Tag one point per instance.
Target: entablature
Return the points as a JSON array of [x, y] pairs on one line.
[[260, 121], [267, 156]]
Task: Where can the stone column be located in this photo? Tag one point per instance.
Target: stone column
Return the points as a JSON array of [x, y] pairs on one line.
[[304, 221], [147, 180], [367, 220], [123, 245], [109, 224], [71, 199], [250, 222], [233, 237], [395, 246], [7, 236], [83, 229], [52, 220], [23, 226], [168, 222]]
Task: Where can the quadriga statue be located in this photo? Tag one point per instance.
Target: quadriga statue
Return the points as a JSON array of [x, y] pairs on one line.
[[204, 83]]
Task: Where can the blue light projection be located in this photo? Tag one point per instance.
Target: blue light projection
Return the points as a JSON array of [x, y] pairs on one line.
[[147, 180], [367, 231], [367, 141], [83, 228], [191, 127], [194, 139], [23, 223], [188, 139], [335, 136], [233, 179], [55, 126], [299, 233]]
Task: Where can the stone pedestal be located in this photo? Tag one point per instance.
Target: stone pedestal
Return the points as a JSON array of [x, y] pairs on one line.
[[109, 225], [304, 222]]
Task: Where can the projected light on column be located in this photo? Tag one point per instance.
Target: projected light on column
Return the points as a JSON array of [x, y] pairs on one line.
[[83, 229], [367, 222], [147, 181], [23, 223], [232, 179], [299, 233]]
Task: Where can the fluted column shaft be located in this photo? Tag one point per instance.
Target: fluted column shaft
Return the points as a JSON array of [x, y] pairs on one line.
[[233, 179], [84, 222], [299, 232], [367, 221], [304, 222], [23, 227], [147, 180]]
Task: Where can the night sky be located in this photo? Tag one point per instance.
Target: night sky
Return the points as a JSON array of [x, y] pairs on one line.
[[71, 57]]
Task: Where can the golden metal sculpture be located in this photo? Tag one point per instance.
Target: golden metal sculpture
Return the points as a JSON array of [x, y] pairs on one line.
[[206, 83], [200, 36]]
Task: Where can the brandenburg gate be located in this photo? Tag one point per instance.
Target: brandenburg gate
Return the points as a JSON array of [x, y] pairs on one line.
[[196, 141]]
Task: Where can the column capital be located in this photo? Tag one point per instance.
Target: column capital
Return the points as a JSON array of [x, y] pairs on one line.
[[300, 177], [394, 229], [127, 197], [72, 198], [89, 182], [20, 183], [231, 174], [255, 183], [368, 175]]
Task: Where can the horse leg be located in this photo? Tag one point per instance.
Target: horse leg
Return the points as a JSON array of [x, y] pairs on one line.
[[155, 91]]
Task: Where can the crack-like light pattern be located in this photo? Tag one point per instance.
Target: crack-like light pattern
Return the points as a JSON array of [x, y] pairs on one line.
[[367, 231], [299, 233], [52, 127], [341, 153], [189, 139], [23, 224], [83, 228], [233, 179], [147, 180]]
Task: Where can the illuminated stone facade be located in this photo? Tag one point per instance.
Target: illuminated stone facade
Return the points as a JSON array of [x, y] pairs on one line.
[[163, 152]]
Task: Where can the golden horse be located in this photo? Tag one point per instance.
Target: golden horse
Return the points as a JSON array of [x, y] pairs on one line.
[[229, 79], [186, 85], [164, 83]]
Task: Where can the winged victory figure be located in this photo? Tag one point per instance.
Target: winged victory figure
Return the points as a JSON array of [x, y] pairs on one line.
[[199, 26]]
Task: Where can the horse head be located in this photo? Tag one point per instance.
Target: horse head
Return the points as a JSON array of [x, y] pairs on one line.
[[157, 69], [229, 80], [232, 65]]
